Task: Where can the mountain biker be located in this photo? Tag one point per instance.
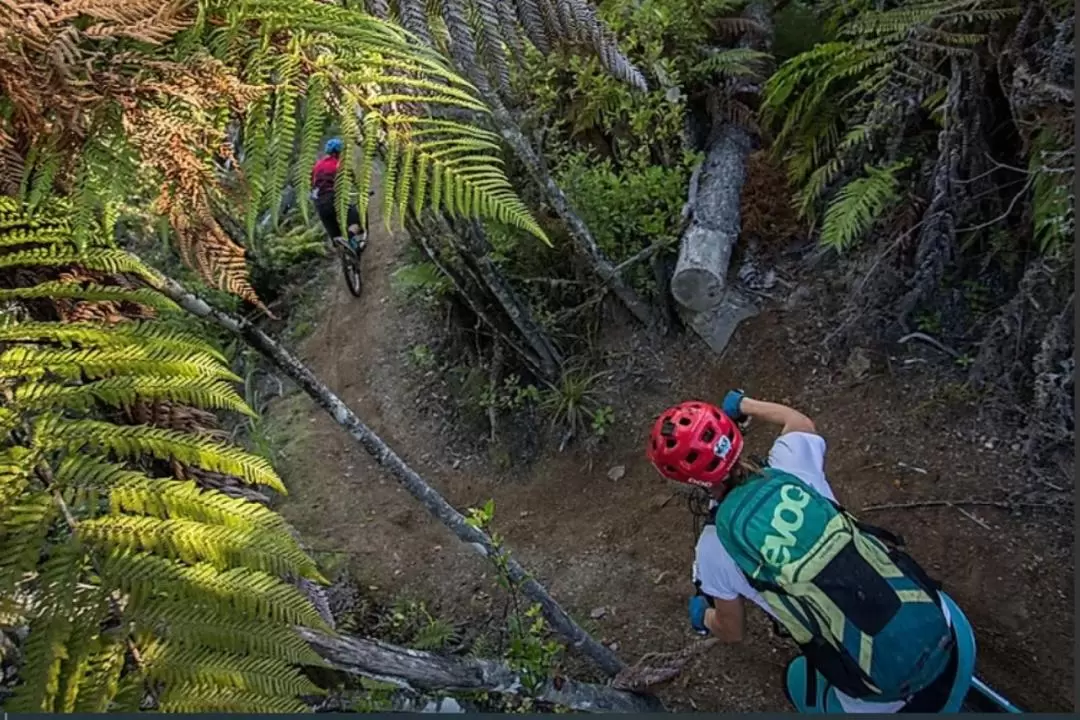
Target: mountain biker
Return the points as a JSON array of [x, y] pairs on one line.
[[776, 521], [322, 193]]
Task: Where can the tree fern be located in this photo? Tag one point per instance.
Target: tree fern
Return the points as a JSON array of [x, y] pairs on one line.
[[195, 587], [272, 61], [860, 204]]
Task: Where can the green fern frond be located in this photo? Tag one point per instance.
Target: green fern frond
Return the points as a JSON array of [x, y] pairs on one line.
[[51, 630], [314, 125], [245, 593], [31, 361], [101, 259], [201, 698], [54, 289], [134, 493], [24, 524], [195, 542], [859, 205], [733, 62], [153, 335], [133, 441], [102, 680], [125, 391], [190, 627], [1053, 202], [283, 129], [177, 666]]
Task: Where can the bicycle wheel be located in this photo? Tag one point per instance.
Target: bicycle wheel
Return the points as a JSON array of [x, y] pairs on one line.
[[350, 264]]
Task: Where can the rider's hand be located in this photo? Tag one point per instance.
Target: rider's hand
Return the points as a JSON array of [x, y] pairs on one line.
[[732, 401], [698, 605]]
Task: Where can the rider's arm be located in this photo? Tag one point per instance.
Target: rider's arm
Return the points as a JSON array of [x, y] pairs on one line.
[[726, 620], [790, 419]]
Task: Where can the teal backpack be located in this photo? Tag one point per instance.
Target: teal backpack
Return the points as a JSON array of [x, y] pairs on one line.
[[865, 615]]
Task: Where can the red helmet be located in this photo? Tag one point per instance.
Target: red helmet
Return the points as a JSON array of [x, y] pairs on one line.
[[695, 443]]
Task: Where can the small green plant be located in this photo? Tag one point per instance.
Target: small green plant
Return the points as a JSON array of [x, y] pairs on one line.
[[530, 650], [421, 280], [602, 419], [421, 356], [531, 653], [572, 402], [929, 322], [511, 396]]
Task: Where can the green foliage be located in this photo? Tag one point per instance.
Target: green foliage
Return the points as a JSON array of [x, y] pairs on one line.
[[860, 204], [135, 584], [835, 103], [629, 207], [421, 280], [174, 80], [573, 403], [1053, 202], [510, 396]]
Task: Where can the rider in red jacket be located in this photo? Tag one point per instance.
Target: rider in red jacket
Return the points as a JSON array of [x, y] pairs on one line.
[[322, 193]]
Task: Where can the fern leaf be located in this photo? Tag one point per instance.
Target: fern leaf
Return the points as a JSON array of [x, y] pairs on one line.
[[50, 631], [859, 205], [125, 391], [239, 592], [195, 542], [176, 665], [191, 627], [283, 129], [202, 698], [101, 259], [133, 441], [102, 679], [91, 292], [30, 361], [90, 335], [314, 124]]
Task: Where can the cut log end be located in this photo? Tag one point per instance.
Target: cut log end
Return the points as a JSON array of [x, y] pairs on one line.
[[696, 288]]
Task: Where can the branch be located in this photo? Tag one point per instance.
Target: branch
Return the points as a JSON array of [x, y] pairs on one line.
[[435, 503], [424, 671]]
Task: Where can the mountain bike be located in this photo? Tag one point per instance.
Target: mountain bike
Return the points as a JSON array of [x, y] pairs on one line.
[[350, 261]]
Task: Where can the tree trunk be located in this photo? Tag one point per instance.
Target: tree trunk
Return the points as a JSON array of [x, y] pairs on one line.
[[435, 503], [579, 231], [424, 671], [418, 230], [472, 243]]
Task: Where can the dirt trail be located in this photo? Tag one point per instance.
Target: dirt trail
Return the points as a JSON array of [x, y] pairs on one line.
[[626, 546]]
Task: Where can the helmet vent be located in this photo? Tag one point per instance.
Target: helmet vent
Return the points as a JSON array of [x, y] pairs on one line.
[[692, 456], [708, 435], [671, 443], [668, 428], [713, 464], [684, 421]]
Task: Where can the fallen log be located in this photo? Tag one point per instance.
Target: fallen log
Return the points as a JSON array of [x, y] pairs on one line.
[[426, 672], [711, 306], [558, 619], [707, 243]]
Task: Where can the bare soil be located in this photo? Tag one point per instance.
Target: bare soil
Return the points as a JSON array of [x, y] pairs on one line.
[[626, 545]]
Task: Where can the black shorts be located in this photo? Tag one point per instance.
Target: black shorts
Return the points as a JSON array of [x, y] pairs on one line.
[[324, 206]]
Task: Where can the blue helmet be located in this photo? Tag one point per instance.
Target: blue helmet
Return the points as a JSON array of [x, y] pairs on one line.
[[333, 145]]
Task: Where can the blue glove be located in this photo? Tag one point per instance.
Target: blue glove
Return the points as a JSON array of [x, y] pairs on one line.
[[732, 401], [698, 606]]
